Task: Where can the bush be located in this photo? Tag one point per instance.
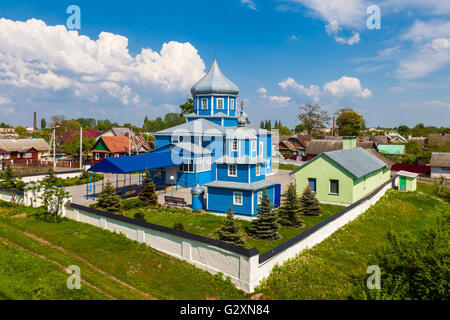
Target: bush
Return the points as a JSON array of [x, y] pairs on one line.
[[178, 226], [139, 216], [131, 203]]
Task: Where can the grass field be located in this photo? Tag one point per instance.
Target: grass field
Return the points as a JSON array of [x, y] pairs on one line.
[[206, 224], [325, 271], [289, 167], [34, 254]]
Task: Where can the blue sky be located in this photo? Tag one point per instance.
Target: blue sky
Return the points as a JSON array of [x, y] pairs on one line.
[[134, 58]]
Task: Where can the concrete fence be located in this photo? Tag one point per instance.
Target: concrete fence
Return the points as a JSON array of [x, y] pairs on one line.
[[62, 175], [245, 267]]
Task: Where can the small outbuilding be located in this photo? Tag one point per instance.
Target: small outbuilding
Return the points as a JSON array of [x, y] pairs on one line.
[[407, 181]]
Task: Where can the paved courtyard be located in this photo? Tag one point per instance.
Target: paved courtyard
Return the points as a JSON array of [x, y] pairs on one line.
[[79, 192]]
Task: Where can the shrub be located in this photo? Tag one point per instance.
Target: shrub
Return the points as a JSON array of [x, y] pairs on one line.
[[108, 200], [131, 203], [178, 226], [139, 216]]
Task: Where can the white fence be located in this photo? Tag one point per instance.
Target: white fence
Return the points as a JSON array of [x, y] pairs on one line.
[[245, 267], [62, 175]]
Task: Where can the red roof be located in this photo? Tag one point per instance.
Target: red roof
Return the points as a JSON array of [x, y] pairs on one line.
[[115, 144], [68, 136], [425, 170]]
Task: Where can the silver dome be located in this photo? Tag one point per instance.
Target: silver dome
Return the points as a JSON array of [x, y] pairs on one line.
[[214, 82]]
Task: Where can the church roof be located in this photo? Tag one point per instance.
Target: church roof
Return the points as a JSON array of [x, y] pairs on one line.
[[196, 128], [214, 82]]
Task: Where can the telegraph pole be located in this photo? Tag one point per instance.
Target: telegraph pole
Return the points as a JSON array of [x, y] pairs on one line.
[[54, 147], [81, 148]]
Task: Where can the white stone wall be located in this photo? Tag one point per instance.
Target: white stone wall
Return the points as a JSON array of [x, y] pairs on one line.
[[6, 196], [41, 177]]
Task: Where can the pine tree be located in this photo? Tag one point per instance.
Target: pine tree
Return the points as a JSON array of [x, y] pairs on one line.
[[108, 200], [265, 226], [309, 203], [148, 195], [229, 231], [51, 178], [291, 208]]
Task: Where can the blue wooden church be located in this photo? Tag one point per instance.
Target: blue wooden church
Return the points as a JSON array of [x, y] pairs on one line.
[[217, 149]]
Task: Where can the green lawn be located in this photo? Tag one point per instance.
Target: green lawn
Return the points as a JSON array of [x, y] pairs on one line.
[[205, 224], [325, 271], [289, 167], [153, 274]]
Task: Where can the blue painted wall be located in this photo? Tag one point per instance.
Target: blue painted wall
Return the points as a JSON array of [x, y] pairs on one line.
[[219, 199], [270, 191], [242, 173]]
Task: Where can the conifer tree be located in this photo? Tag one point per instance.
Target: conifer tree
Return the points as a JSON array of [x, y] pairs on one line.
[[148, 195], [229, 231], [291, 208], [265, 226], [108, 200], [309, 203]]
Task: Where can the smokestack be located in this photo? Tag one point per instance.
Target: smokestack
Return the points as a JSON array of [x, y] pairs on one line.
[[334, 126], [34, 123]]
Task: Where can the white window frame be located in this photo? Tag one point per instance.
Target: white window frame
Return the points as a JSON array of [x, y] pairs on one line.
[[232, 104], [175, 139], [261, 148], [106, 155], [97, 156], [258, 169], [230, 173], [116, 155], [223, 104], [238, 195], [259, 198], [181, 167], [237, 145], [204, 104]]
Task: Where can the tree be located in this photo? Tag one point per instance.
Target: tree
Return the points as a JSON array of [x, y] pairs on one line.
[[290, 209], [404, 131], [412, 147], [265, 226], [51, 179], [299, 128], [229, 231], [148, 195], [20, 130], [12, 182], [43, 123], [313, 118], [73, 147], [53, 198], [108, 200], [187, 107], [309, 204], [349, 122]]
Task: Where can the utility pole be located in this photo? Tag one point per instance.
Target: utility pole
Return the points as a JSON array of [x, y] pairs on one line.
[[54, 147], [81, 148]]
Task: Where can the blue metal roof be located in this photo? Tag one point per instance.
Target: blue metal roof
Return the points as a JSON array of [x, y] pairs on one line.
[[129, 164], [358, 161]]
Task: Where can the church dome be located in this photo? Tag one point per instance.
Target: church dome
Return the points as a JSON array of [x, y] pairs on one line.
[[214, 82]]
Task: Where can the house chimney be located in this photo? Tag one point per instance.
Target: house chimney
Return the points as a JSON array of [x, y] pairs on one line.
[[34, 122], [348, 143]]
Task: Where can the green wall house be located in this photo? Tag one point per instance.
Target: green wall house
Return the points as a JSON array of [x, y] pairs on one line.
[[342, 176], [407, 181]]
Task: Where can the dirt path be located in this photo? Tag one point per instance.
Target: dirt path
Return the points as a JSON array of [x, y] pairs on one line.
[[60, 266], [65, 251]]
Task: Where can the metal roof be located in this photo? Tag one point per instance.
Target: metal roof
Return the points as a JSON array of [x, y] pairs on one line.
[[391, 148], [440, 159], [357, 162], [407, 174], [196, 127], [129, 164], [243, 133], [214, 82], [23, 145], [240, 185]]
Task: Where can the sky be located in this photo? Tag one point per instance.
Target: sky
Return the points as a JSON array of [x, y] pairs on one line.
[[132, 59]]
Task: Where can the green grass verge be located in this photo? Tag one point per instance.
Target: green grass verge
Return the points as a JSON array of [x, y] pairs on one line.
[[289, 167], [160, 276], [205, 224], [326, 271]]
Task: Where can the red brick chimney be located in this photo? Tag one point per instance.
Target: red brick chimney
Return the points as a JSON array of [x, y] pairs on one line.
[[34, 123]]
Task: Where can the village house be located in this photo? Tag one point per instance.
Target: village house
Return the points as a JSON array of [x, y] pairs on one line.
[[111, 147], [440, 165], [316, 146], [23, 149], [342, 176]]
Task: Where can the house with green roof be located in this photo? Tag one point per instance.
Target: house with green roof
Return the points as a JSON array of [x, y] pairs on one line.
[[342, 176], [392, 149]]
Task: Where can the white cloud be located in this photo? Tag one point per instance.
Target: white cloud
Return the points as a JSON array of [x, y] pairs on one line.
[[350, 41], [346, 87], [4, 100], [293, 37], [35, 55], [438, 103], [312, 91], [421, 31], [277, 99], [249, 3]]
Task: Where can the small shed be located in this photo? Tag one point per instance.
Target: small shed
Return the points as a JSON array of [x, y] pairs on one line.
[[407, 181]]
